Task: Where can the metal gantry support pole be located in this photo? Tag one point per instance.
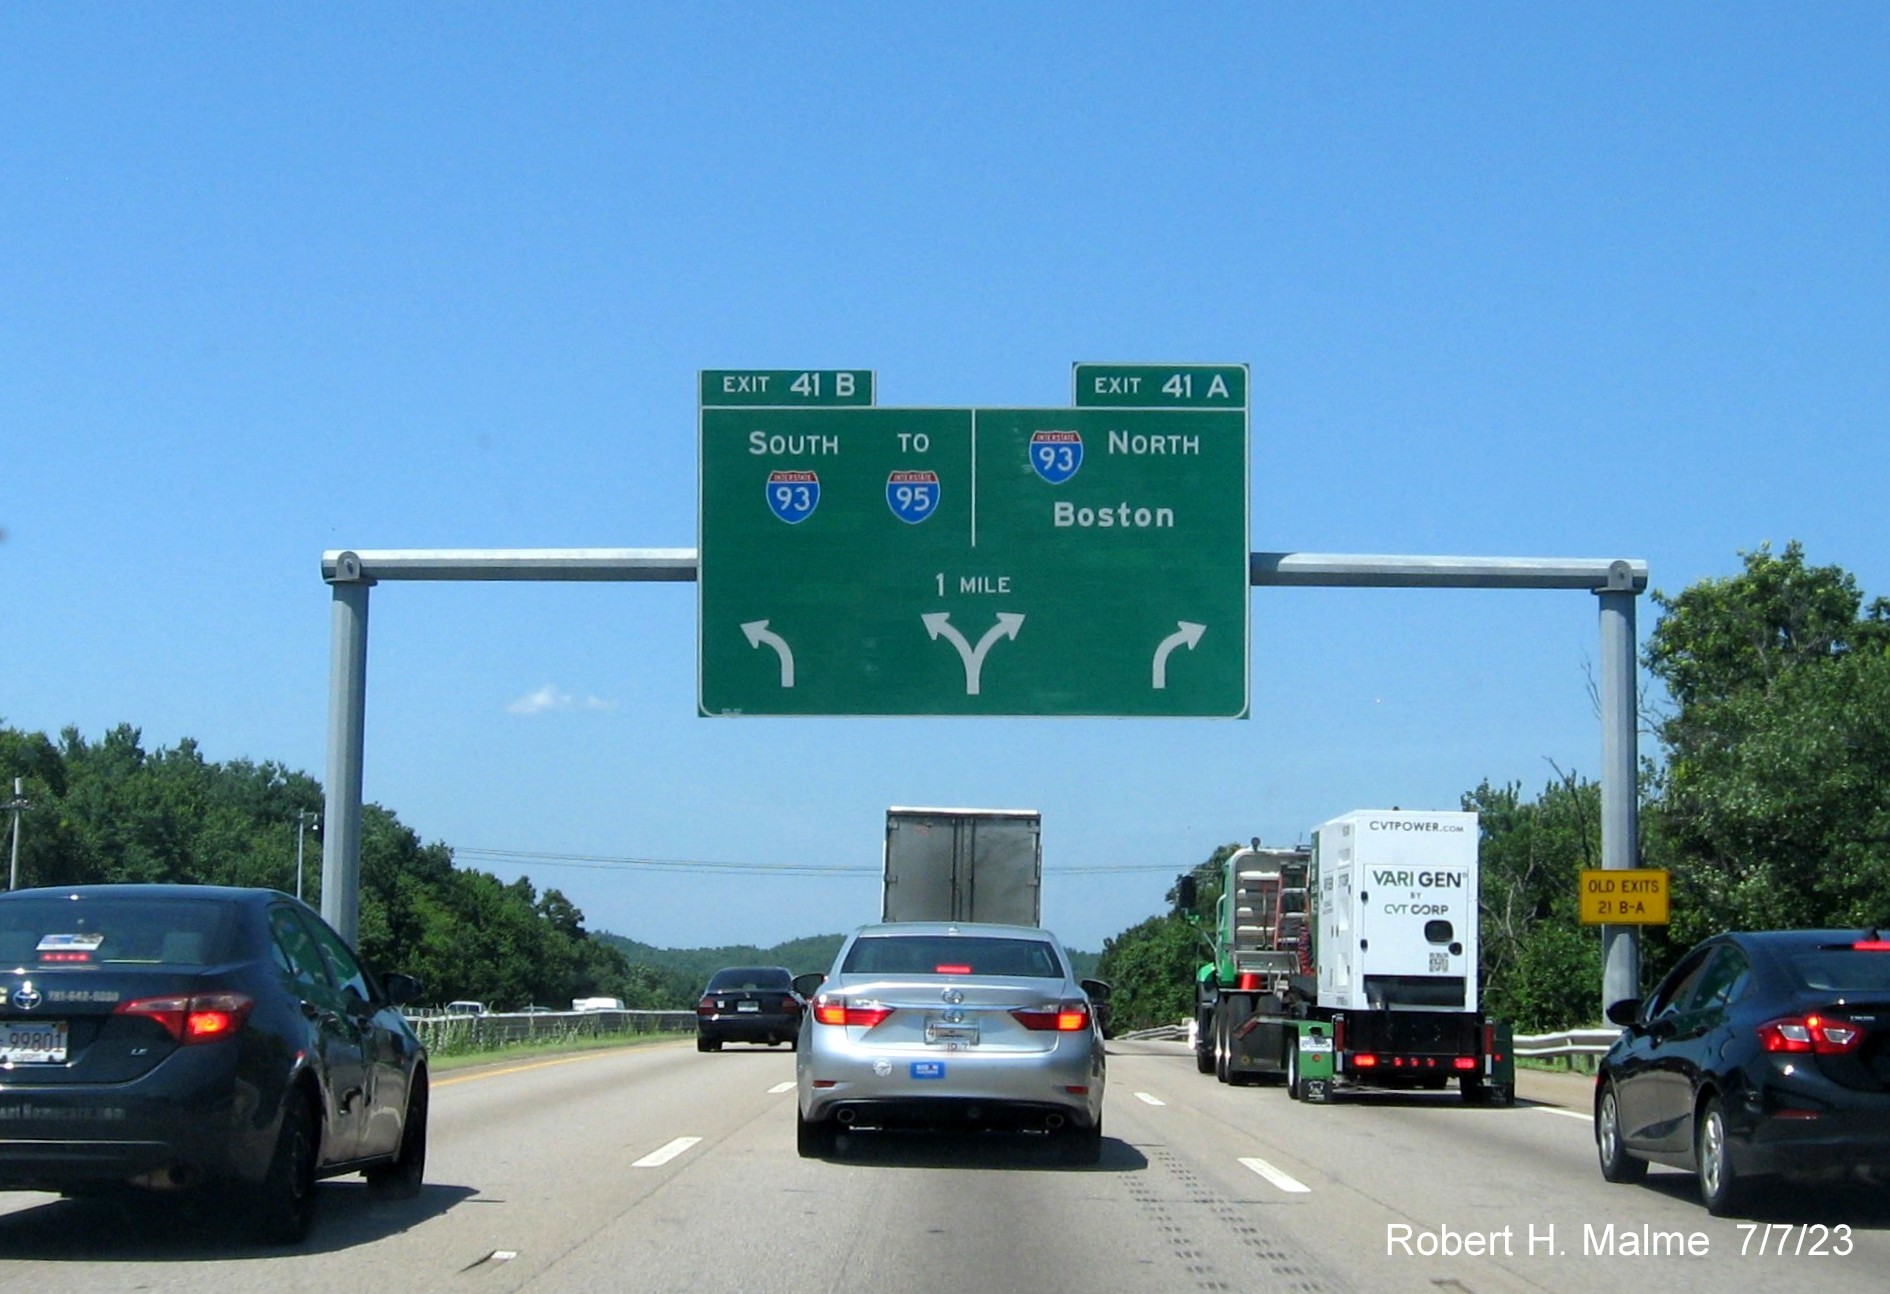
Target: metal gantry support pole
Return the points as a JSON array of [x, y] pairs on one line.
[[19, 805], [1620, 783], [347, 729]]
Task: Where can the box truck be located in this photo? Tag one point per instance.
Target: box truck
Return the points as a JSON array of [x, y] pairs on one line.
[[963, 865]]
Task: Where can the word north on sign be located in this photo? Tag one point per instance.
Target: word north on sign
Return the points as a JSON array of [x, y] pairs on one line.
[[864, 560]]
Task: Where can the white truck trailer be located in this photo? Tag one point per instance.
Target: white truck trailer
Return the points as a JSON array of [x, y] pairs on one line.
[[963, 865]]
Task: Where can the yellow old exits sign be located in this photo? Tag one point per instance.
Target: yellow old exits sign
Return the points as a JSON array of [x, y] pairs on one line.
[[1627, 897]]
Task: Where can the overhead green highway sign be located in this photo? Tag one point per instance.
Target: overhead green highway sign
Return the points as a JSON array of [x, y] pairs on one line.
[[858, 560]]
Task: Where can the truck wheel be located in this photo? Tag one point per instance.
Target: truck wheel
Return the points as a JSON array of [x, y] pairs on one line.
[[1293, 1086], [1220, 1044], [1204, 1045], [1238, 1012]]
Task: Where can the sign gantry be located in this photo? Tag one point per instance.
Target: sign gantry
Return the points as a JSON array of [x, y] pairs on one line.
[[1088, 560]]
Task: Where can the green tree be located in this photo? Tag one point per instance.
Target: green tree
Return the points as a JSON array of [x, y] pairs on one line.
[[1775, 797], [1539, 966]]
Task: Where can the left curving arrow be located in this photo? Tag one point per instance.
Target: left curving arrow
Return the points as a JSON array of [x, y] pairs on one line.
[[759, 633]]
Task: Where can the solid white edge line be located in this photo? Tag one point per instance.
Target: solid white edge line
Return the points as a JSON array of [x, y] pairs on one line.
[[779, 1088], [1566, 1114], [1282, 1180], [657, 1158], [1146, 1099]]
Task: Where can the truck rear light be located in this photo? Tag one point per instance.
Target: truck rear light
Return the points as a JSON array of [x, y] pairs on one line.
[[1249, 981], [1817, 1034], [836, 1010], [1464, 1062], [1065, 1017], [205, 1017], [1365, 1060]]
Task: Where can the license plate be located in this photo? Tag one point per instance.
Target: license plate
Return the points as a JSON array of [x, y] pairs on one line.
[[938, 1031], [1315, 1044], [42, 1042], [748, 1006]]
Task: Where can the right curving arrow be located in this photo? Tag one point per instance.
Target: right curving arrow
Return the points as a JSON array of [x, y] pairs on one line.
[[1186, 635]]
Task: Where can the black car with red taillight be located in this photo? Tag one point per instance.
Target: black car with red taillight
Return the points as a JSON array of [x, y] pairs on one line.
[[183, 1038], [1762, 1055], [748, 1004]]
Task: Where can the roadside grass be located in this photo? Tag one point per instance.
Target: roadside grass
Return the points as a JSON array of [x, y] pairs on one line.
[[451, 1058]]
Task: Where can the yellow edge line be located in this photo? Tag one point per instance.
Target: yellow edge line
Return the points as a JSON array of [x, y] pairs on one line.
[[514, 1069]]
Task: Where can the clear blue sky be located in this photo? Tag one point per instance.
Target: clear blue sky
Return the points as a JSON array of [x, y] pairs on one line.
[[1513, 281]]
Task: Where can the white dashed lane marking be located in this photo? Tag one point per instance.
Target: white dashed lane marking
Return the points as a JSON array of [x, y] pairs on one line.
[[1146, 1099], [1284, 1181], [779, 1088], [657, 1158]]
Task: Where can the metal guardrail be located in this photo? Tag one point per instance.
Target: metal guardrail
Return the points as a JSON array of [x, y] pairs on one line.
[[442, 1032], [1571, 1042]]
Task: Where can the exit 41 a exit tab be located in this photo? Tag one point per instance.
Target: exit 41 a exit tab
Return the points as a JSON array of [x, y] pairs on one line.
[[860, 560]]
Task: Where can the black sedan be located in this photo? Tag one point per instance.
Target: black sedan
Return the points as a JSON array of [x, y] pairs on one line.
[[1761, 1055], [182, 1038], [749, 1004]]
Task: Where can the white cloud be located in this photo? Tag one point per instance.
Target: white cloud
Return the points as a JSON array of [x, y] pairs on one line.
[[549, 697]]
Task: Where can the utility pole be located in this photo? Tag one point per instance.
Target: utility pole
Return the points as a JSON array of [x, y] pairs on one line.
[[302, 819], [18, 803]]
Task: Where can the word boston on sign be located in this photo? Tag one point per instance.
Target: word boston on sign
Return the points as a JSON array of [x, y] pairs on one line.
[[859, 560]]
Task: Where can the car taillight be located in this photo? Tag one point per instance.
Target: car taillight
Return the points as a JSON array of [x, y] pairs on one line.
[[1872, 945], [1066, 1017], [836, 1010], [1817, 1034], [204, 1017], [707, 1005]]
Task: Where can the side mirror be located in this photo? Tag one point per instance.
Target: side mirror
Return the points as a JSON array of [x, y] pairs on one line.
[[401, 989], [1099, 991], [1624, 1013], [807, 985]]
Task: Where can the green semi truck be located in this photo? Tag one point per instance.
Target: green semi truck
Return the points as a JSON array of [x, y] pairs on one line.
[[1352, 963]]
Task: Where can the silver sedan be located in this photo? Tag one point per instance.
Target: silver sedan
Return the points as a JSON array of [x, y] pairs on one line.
[[928, 1024]]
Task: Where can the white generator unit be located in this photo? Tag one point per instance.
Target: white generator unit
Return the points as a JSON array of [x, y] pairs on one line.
[[1395, 891]]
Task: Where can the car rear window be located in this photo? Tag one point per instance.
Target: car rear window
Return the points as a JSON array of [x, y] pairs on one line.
[[1842, 970], [111, 932], [750, 977], [952, 955]]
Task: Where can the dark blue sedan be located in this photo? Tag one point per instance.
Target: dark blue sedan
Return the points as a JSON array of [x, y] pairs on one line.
[[181, 1038], [1762, 1055]]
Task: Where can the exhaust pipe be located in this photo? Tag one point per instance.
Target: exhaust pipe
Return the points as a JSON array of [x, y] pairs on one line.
[[1053, 1123], [844, 1114], [171, 1177]]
